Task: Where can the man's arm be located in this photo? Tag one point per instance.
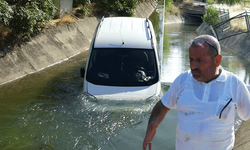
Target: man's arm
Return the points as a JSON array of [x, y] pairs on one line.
[[243, 101], [158, 114]]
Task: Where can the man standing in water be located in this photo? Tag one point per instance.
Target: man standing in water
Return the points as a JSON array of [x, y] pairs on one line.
[[206, 98]]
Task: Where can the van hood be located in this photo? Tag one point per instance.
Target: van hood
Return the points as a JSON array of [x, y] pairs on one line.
[[123, 92]]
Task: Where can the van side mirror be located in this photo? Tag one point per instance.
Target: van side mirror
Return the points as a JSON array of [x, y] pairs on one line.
[[82, 71]]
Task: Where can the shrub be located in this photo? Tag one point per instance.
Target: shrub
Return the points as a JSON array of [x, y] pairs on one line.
[[82, 12], [209, 2], [211, 16], [120, 7], [170, 8], [6, 13], [27, 16], [229, 2], [125, 7], [81, 2], [168, 4]]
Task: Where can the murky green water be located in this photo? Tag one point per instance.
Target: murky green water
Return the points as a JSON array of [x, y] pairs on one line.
[[47, 110]]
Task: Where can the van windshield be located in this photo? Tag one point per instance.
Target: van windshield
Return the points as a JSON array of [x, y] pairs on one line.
[[122, 67]]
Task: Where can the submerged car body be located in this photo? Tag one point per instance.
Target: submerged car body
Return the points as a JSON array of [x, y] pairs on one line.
[[123, 59]]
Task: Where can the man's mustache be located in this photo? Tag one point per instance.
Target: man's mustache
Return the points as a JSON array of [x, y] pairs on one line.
[[196, 70]]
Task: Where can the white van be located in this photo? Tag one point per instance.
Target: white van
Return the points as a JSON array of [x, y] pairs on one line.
[[123, 60]]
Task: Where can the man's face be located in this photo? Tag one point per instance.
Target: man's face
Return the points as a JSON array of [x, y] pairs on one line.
[[203, 66]]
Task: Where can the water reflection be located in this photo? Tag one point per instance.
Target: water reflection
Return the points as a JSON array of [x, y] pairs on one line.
[[175, 50], [236, 64], [176, 59]]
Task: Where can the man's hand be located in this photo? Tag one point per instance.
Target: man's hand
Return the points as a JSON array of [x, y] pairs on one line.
[[146, 144], [158, 114]]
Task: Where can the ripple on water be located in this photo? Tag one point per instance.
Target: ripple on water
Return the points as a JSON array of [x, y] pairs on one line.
[[74, 123]]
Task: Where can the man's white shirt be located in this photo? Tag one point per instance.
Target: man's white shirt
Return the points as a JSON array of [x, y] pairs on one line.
[[206, 111]]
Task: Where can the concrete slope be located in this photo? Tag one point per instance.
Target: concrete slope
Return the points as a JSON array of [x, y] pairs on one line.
[[46, 49], [238, 44], [145, 9]]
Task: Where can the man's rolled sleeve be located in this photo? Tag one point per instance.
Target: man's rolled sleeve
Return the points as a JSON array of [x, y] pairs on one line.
[[169, 99], [243, 101]]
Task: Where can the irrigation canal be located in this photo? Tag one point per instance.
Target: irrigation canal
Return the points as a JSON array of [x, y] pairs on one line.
[[47, 109]]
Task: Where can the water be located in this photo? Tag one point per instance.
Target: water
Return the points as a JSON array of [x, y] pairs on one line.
[[47, 110], [175, 49]]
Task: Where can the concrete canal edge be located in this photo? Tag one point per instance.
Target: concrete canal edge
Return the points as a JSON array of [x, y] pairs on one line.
[[54, 45], [239, 44], [170, 19], [46, 49]]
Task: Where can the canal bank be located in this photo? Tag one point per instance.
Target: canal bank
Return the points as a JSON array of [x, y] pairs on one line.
[[239, 44], [174, 19], [54, 46]]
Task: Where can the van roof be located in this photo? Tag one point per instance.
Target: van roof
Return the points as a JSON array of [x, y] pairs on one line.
[[123, 32]]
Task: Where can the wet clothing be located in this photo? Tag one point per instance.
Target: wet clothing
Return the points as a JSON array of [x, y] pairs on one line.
[[206, 111]]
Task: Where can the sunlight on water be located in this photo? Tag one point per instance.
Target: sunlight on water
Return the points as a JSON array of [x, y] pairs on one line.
[[175, 53]]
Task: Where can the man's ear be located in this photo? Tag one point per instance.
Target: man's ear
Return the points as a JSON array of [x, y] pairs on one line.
[[218, 60]]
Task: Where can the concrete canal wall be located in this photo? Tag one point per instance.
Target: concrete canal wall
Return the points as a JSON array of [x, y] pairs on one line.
[[46, 49], [174, 19], [239, 44], [54, 45]]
